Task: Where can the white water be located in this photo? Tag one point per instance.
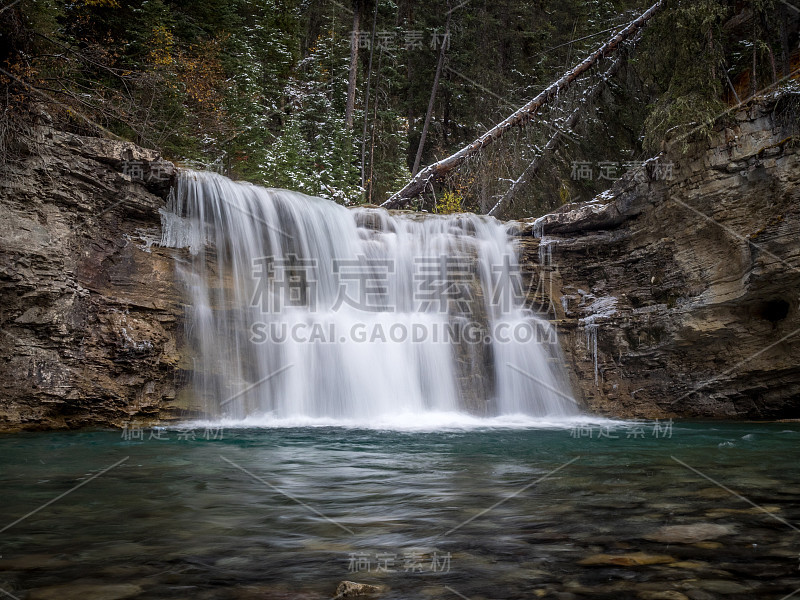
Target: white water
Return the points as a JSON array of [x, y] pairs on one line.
[[355, 322]]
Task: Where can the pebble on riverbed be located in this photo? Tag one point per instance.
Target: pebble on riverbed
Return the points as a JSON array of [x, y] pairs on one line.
[[351, 589], [689, 534], [634, 559], [85, 591]]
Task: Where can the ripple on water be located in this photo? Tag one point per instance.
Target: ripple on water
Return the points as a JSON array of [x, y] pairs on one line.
[[624, 520]]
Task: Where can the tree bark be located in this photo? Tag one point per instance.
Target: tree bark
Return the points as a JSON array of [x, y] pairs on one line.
[[432, 100], [351, 82], [366, 101], [410, 115], [439, 169], [768, 44], [785, 50], [753, 75], [371, 180]]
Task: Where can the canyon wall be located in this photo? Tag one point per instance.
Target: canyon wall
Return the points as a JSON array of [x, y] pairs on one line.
[[91, 322], [677, 294]]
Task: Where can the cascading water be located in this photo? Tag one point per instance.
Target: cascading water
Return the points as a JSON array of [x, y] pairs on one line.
[[303, 309]]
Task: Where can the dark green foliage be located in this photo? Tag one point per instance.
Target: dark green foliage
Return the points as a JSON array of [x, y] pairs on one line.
[[688, 66], [257, 88]]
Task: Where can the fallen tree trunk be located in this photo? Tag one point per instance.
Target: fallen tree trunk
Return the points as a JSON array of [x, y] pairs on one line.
[[552, 144], [439, 169]]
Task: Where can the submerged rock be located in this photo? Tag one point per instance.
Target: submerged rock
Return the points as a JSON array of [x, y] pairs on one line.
[[29, 562], [634, 559], [85, 591], [351, 589], [722, 586], [689, 534], [665, 595]]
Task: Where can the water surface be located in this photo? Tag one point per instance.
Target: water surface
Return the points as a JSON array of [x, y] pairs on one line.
[[511, 512]]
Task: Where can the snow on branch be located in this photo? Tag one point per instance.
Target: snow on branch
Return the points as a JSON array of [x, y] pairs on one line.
[[439, 169]]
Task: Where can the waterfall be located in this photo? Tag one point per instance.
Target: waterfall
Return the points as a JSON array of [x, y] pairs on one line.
[[302, 308]]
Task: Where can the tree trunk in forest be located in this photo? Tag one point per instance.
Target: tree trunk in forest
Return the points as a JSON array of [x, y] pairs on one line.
[[410, 115], [366, 101], [439, 169], [351, 82], [371, 180], [785, 50], [552, 144], [753, 76], [772, 64], [768, 44], [432, 100], [446, 121]]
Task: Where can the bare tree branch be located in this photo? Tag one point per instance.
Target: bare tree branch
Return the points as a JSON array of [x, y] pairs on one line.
[[555, 140], [439, 169]]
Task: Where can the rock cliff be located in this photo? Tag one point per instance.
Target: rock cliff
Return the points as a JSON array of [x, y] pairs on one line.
[[91, 318], [677, 295]]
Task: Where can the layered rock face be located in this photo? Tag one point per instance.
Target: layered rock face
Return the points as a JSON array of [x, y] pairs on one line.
[[679, 296], [91, 317]]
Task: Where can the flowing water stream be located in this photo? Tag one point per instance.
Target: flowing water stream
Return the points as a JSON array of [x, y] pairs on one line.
[[303, 310]]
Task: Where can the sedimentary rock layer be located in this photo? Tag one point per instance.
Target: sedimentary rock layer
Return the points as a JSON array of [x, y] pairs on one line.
[[91, 317], [679, 296]]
